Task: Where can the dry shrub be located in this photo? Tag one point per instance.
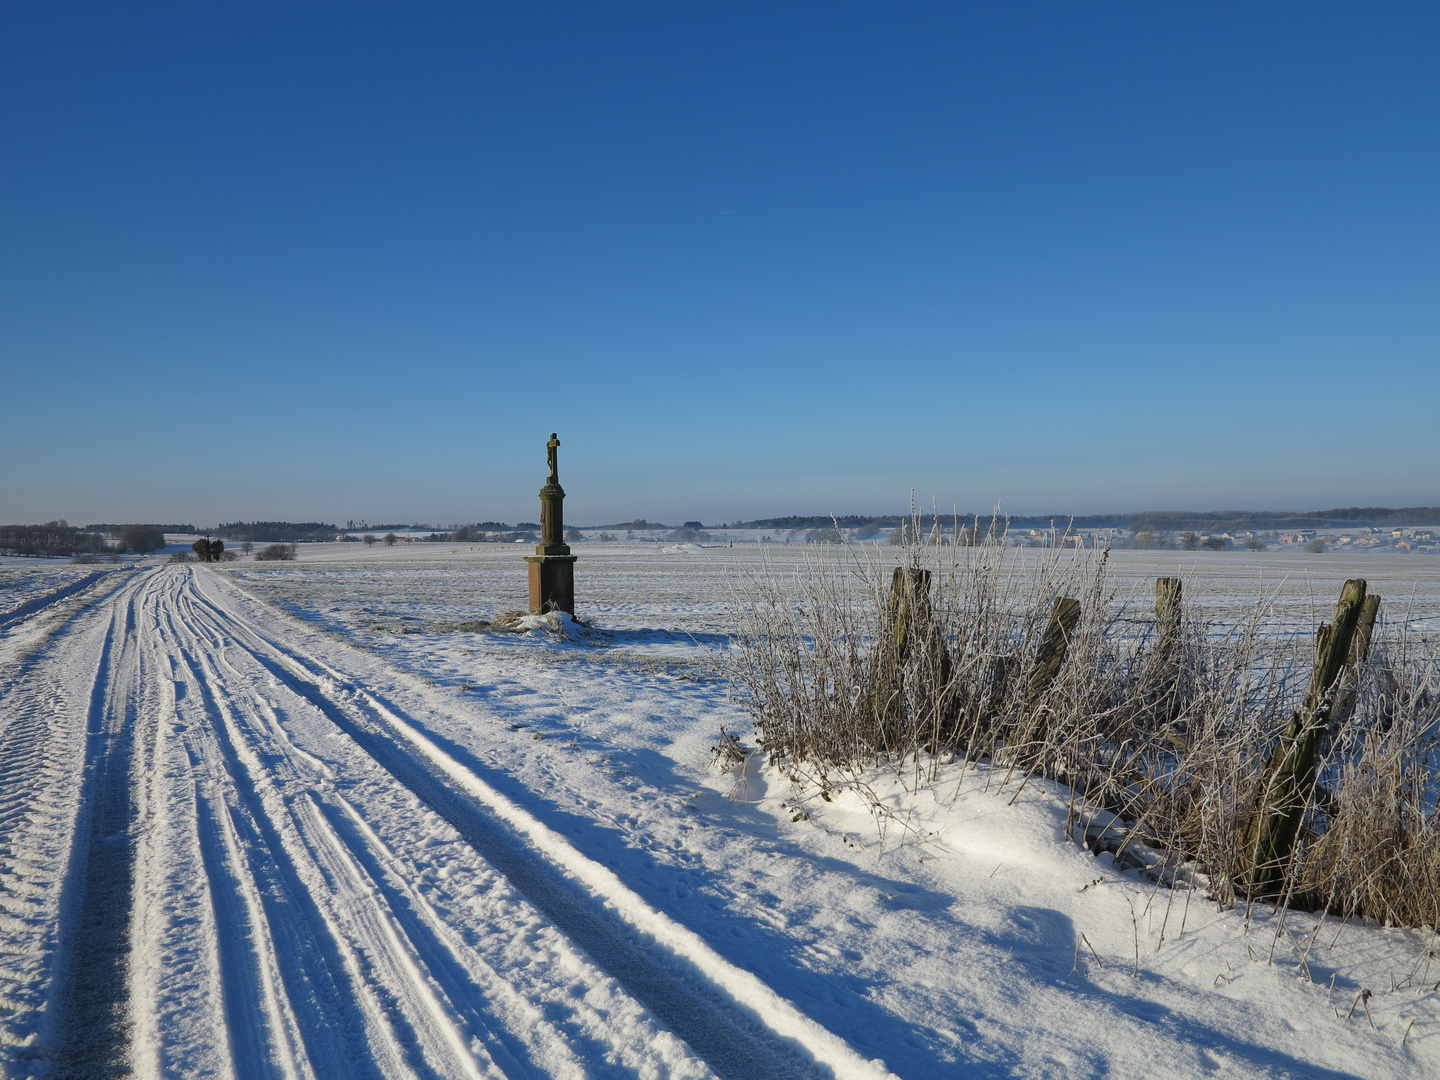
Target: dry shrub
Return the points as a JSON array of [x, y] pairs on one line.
[[276, 553], [1374, 846], [1169, 730], [509, 621]]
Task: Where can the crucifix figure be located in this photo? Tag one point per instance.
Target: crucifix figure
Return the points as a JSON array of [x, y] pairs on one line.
[[553, 456]]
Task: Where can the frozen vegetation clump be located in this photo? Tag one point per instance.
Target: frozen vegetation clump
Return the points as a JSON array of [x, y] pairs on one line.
[[1219, 746]]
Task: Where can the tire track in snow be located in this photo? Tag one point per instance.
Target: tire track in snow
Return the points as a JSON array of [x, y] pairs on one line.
[[740, 1027], [290, 1008], [407, 990], [350, 1025], [37, 604], [48, 752], [234, 906], [93, 1025], [262, 1030], [38, 825]]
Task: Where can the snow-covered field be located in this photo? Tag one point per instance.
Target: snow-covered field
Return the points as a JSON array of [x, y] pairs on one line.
[[289, 820]]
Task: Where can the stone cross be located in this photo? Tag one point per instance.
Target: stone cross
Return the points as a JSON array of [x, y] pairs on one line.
[[552, 567]]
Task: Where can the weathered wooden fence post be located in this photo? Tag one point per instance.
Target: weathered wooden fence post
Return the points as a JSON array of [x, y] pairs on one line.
[[1168, 668], [1359, 653], [909, 604], [1365, 629], [907, 609], [1000, 669], [1168, 591], [1054, 643], [1288, 782], [1064, 618]]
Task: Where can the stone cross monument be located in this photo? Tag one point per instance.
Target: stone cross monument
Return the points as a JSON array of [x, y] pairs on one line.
[[552, 567]]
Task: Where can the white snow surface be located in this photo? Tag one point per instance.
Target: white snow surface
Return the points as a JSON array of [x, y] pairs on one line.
[[335, 836]]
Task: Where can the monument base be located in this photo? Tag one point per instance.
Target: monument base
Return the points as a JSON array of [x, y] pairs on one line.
[[552, 583]]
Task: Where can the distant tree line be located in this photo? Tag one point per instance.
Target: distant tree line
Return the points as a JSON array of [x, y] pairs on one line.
[[823, 521], [281, 532], [631, 526], [865, 526], [1379, 515], [1257, 520], [52, 539], [59, 538], [1156, 521], [142, 538], [114, 530], [482, 531]]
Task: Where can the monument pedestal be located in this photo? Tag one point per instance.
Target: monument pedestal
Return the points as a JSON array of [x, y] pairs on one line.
[[552, 583]]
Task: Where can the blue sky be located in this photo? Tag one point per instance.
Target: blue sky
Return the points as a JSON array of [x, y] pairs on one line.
[[341, 261]]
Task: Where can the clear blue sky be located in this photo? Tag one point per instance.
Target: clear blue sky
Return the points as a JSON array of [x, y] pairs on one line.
[[335, 261]]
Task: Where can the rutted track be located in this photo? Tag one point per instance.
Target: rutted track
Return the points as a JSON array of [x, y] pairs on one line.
[[320, 891], [92, 991], [37, 604], [52, 739]]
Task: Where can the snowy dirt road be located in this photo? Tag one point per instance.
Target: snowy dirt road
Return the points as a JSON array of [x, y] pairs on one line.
[[224, 858], [292, 821]]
